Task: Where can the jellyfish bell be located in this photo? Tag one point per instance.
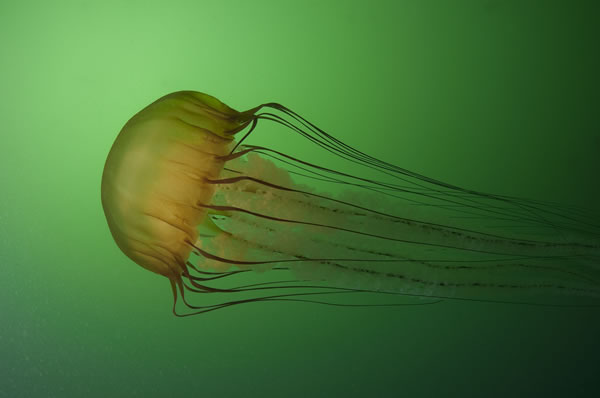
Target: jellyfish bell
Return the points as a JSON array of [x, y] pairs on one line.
[[177, 184], [155, 175]]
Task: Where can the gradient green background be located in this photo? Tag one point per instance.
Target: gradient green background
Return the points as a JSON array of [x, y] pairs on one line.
[[498, 96]]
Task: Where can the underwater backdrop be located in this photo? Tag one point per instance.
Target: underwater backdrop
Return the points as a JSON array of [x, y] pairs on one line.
[[495, 96]]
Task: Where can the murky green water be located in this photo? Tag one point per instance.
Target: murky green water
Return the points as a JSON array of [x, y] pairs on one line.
[[496, 96]]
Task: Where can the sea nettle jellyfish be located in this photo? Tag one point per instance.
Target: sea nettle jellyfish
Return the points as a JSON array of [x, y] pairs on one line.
[[185, 200]]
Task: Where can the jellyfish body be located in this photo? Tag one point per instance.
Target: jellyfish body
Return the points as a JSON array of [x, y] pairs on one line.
[[174, 185]]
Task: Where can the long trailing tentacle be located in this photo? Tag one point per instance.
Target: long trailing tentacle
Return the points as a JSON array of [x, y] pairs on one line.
[[361, 156], [304, 296]]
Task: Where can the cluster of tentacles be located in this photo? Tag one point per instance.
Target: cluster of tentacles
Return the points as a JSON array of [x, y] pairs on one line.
[[554, 222]]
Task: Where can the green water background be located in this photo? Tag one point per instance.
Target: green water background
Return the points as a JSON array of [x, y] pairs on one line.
[[498, 96]]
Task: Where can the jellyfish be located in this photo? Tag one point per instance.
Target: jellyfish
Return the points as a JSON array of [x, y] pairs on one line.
[[185, 197]]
